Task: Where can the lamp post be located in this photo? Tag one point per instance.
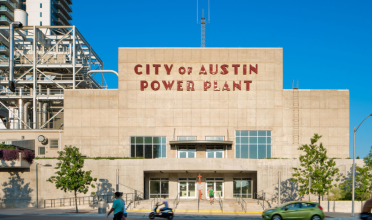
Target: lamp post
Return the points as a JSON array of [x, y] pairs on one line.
[[353, 194]]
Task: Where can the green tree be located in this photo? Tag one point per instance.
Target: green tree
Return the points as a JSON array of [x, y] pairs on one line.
[[70, 175], [363, 180], [315, 164]]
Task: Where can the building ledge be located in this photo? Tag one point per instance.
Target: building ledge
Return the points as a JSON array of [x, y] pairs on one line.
[[14, 164], [200, 142]]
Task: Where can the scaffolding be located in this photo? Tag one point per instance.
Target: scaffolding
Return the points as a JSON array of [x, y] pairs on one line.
[[47, 60]]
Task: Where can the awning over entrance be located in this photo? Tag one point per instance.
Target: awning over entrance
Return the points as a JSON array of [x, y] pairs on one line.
[[200, 142]]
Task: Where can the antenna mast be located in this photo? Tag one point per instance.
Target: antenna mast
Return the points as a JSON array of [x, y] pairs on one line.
[[203, 22]]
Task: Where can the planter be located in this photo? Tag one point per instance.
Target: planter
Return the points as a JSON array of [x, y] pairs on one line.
[[14, 163]]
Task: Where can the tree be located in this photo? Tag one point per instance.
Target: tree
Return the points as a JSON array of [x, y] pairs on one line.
[[70, 175], [315, 164], [363, 180]]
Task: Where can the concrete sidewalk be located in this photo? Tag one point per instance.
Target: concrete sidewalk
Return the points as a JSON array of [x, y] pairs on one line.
[[70, 211]]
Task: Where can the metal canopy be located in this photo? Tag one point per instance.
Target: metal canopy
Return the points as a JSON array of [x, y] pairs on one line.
[[200, 142]]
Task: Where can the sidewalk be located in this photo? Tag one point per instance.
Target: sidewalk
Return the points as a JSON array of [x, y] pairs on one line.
[[89, 212]]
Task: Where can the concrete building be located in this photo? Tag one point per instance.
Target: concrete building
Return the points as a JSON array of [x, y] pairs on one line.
[[38, 12], [218, 112]]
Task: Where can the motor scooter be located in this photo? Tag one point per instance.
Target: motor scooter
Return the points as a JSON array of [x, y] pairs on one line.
[[168, 213]]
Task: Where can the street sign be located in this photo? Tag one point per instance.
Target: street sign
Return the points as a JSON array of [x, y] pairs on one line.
[[200, 186]]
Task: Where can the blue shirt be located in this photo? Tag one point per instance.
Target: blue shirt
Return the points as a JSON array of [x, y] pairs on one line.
[[118, 206]]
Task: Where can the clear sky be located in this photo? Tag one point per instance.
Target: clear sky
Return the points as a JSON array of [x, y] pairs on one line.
[[326, 44]]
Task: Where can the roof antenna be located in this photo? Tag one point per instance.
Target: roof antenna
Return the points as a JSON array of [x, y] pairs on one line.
[[203, 22]]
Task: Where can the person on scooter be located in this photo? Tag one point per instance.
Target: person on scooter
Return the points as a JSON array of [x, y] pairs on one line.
[[165, 203]]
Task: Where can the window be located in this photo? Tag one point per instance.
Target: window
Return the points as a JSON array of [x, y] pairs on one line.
[[192, 138], [41, 23], [253, 144], [41, 5], [187, 152], [148, 147], [307, 205], [215, 152], [243, 188], [41, 14], [293, 206], [41, 150], [53, 143], [159, 187], [217, 138]]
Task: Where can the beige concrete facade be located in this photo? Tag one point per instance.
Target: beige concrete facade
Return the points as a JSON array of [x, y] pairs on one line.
[[102, 122]]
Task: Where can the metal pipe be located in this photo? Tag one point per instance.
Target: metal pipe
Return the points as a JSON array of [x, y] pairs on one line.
[[20, 109], [45, 112], [279, 190], [74, 59], [11, 54], [117, 180], [39, 113], [25, 111], [34, 109]]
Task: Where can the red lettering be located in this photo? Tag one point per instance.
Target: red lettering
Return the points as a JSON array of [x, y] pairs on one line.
[[153, 85], [251, 68], [247, 84], [226, 87], [179, 86], [245, 69], [224, 69], [168, 85], [236, 85], [144, 85], [182, 70], [215, 86], [236, 66], [202, 71], [190, 86], [147, 69], [207, 85], [211, 69], [168, 69], [189, 70], [136, 69], [156, 68]]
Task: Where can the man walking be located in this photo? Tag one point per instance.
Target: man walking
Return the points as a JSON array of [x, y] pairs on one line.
[[117, 207], [211, 195]]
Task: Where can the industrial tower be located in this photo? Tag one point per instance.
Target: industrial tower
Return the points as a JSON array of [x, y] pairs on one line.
[[203, 22]]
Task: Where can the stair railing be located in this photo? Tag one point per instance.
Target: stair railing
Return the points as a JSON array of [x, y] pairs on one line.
[[154, 201], [221, 203], [176, 201]]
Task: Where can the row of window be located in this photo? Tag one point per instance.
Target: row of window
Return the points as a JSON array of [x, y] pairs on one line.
[[208, 138], [190, 152]]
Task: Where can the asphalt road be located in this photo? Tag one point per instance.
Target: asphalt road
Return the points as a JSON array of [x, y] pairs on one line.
[[38, 217]]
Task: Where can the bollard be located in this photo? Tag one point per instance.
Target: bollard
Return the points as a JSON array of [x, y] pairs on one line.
[[102, 206]]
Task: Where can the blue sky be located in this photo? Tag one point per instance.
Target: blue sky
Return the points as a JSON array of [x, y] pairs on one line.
[[327, 44]]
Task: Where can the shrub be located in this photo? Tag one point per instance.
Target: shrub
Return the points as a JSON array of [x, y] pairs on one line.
[[9, 155], [28, 156], [6, 147]]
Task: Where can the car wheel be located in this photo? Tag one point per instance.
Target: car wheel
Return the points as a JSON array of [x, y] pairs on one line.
[[316, 217], [152, 215], [277, 217]]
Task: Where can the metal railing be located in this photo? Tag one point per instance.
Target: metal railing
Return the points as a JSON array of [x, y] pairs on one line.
[[84, 200], [154, 201], [242, 203], [175, 202], [7, 10], [221, 203]]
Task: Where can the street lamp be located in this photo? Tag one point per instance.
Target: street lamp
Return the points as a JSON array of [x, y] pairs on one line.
[[353, 194]]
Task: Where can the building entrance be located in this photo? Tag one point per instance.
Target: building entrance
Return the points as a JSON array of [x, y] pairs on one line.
[[217, 186], [243, 188], [187, 188]]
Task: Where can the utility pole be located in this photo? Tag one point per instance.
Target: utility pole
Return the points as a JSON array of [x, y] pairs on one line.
[[279, 189], [117, 180]]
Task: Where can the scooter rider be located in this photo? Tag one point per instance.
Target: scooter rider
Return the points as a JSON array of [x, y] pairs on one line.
[[165, 203]]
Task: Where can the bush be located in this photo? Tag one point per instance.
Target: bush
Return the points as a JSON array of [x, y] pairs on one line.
[[6, 147], [28, 156], [9, 155]]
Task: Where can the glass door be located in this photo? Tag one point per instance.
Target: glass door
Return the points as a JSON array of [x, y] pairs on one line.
[[159, 187], [243, 188], [217, 186], [186, 188]]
